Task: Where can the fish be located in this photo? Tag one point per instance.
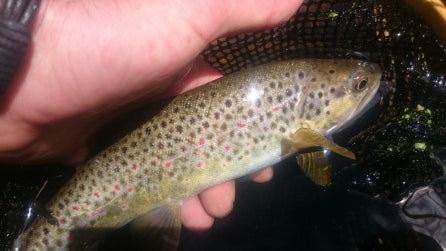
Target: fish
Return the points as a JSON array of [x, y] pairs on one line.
[[228, 128]]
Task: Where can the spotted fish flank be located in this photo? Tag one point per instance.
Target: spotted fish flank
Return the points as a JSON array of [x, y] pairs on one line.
[[226, 129]]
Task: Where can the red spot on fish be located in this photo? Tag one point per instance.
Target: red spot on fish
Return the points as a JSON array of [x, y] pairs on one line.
[[68, 238], [248, 144], [153, 163], [201, 142], [186, 179], [93, 214], [101, 211], [168, 164], [124, 206], [117, 187], [45, 241], [276, 108], [265, 129], [224, 164], [241, 124], [130, 189], [63, 220], [200, 164], [155, 188], [293, 118], [134, 166], [264, 147], [76, 208], [183, 148], [227, 147], [97, 195], [85, 225]]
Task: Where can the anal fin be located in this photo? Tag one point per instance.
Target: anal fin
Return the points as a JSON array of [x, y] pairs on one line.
[[159, 228]]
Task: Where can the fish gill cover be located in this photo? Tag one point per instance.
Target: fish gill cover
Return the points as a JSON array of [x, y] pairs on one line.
[[392, 154]]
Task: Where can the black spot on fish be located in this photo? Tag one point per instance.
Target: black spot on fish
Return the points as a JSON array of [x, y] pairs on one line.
[[228, 103], [318, 111], [205, 125], [223, 127], [133, 144], [287, 74], [228, 117], [240, 109], [163, 124], [250, 113], [192, 121], [270, 99], [258, 102], [320, 94], [331, 71], [308, 117], [210, 136], [301, 75], [217, 115], [279, 98], [288, 92], [282, 129], [273, 125], [296, 88], [82, 187], [179, 128], [311, 95], [202, 105], [124, 163], [332, 90], [124, 149], [310, 106], [61, 206], [176, 110], [272, 85], [213, 94]]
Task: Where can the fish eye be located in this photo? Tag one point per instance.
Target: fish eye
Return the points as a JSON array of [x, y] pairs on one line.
[[360, 80]]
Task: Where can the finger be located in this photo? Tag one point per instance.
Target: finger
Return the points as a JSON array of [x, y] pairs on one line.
[[194, 216], [263, 175], [218, 200], [200, 73]]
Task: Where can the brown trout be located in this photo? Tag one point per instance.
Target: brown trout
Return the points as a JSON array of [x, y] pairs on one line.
[[231, 127]]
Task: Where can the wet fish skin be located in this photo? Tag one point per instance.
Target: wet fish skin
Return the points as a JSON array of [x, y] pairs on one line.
[[228, 128]]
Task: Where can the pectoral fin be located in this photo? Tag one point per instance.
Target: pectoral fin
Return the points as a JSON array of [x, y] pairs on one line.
[[160, 228], [306, 138], [316, 167]]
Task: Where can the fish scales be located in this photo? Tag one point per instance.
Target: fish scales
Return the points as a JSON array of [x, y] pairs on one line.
[[228, 128]]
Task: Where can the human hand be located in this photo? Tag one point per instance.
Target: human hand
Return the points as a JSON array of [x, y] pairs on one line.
[[91, 60]]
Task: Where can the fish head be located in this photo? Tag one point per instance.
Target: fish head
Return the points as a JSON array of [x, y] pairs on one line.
[[342, 91]]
